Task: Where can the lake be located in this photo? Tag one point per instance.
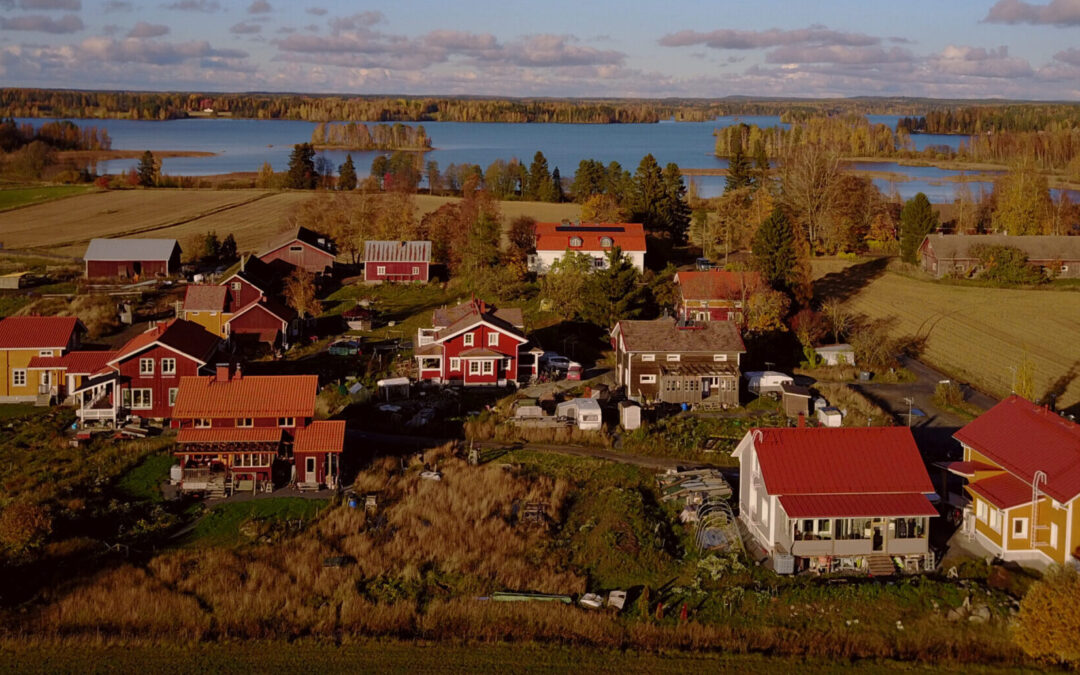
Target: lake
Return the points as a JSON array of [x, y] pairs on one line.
[[244, 144]]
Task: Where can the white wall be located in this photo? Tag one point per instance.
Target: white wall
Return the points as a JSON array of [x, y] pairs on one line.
[[544, 259]]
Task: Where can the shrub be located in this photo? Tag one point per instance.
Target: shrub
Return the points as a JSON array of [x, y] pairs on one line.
[[1049, 620], [1006, 265], [24, 526]]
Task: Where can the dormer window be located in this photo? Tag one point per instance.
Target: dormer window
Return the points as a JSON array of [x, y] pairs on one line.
[[576, 242], [606, 242]]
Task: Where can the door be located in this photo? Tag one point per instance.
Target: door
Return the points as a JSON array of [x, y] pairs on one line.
[[309, 470], [879, 539]]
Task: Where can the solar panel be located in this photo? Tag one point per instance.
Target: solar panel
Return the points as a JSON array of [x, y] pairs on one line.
[[579, 228]]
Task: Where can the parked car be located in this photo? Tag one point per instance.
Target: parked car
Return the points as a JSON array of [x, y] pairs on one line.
[[554, 361], [704, 264]]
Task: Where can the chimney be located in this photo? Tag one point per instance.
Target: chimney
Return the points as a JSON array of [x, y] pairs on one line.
[[223, 372], [243, 262], [802, 420]]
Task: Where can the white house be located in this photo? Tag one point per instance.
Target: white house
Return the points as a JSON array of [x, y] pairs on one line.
[[553, 240]]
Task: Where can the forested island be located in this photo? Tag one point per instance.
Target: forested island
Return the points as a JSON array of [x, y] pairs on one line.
[[354, 136]]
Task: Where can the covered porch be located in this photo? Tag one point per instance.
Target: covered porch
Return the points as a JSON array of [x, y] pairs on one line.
[[99, 401], [221, 462], [697, 382]]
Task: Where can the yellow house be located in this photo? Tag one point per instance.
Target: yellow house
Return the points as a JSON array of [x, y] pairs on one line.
[[1022, 466], [208, 306], [23, 338]]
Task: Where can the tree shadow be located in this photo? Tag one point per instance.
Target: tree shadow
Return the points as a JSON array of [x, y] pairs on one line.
[[847, 283], [1059, 386], [580, 341]]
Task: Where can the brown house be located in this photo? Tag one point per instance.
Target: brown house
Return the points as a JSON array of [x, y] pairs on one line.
[[943, 255], [679, 361]]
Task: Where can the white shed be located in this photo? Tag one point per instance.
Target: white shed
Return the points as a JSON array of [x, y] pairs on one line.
[[837, 355], [584, 411], [393, 387], [629, 415], [830, 417]]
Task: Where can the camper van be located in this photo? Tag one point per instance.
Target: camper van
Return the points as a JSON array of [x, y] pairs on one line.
[[762, 382]]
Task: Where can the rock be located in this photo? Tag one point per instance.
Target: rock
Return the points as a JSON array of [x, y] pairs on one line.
[[954, 615], [980, 614]]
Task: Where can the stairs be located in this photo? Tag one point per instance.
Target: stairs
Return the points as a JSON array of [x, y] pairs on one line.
[[215, 487], [881, 566], [42, 400]]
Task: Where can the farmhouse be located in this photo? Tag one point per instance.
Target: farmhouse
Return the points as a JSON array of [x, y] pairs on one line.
[[143, 377], [302, 248], [132, 258], [835, 498], [24, 338], [595, 240], [952, 254], [679, 361], [403, 261], [714, 295], [472, 344], [241, 307], [1021, 465], [238, 432]]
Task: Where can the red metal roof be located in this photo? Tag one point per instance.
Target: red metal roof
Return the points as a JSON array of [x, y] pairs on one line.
[[1024, 438], [206, 298], [75, 363], [716, 284], [857, 460], [1003, 490], [247, 396], [556, 236], [857, 506], [323, 436], [184, 337], [37, 332], [230, 435], [966, 469]]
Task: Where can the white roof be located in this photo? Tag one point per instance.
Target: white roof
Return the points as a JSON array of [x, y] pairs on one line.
[[130, 249], [393, 382], [842, 347], [580, 404]]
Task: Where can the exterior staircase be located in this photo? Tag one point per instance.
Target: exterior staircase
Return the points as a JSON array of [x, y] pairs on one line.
[[881, 566], [42, 400], [215, 487]]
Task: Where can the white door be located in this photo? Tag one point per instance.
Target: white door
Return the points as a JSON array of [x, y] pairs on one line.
[[309, 470]]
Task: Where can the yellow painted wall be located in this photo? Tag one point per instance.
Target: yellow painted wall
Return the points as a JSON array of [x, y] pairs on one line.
[[982, 527], [14, 359], [215, 324]]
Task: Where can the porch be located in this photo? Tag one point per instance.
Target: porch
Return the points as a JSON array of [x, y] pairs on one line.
[[848, 537], [98, 402], [699, 382]]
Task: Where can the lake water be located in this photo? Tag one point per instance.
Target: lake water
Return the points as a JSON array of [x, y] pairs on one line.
[[243, 145]]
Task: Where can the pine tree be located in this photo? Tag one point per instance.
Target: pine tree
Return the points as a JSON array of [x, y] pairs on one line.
[[147, 170], [761, 165], [347, 175], [649, 194], [774, 251], [227, 252], [738, 173], [302, 175], [557, 188], [539, 182], [676, 208], [613, 293], [917, 219]]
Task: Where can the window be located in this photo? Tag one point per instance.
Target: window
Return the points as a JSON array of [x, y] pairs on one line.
[[648, 357], [1019, 528], [468, 339], [142, 399], [980, 511], [168, 366], [455, 365], [474, 367], [236, 286], [172, 396], [599, 263], [719, 357], [995, 520], [380, 270], [286, 422], [45, 352], [489, 367], [296, 249], [18, 378], [647, 379], [672, 357], [576, 242], [146, 367], [245, 422], [909, 528], [415, 271], [202, 423], [493, 339], [1064, 268], [606, 242]]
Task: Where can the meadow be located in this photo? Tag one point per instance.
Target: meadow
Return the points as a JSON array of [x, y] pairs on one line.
[[13, 198]]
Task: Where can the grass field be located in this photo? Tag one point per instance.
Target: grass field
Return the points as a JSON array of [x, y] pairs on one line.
[[221, 527], [15, 197], [144, 481]]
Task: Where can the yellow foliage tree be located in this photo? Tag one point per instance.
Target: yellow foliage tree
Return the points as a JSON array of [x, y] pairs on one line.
[[1048, 625]]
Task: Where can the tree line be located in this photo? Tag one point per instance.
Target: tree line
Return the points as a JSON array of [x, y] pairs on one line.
[[981, 119], [59, 135], [354, 136]]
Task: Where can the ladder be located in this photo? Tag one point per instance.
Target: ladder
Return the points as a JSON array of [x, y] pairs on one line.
[[1039, 478]]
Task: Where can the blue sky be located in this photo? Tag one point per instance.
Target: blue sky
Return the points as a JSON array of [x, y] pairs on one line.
[[951, 48]]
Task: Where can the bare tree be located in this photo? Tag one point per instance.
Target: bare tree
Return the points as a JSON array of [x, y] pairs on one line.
[[808, 175], [300, 293], [838, 317]]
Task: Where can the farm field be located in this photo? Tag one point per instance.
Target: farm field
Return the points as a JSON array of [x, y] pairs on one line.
[[13, 198], [979, 334]]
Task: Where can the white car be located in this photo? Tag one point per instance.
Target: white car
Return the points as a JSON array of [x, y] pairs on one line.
[[557, 362]]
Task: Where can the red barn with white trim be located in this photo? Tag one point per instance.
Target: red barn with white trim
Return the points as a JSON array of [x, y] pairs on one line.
[[400, 261]]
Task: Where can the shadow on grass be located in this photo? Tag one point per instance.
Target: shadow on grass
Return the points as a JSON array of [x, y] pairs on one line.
[[847, 283]]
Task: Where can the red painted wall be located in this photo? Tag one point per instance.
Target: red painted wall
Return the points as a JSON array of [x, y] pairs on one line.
[[395, 271], [97, 269], [310, 258], [507, 346], [242, 298], [158, 383], [257, 422], [256, 320], [320, 466]]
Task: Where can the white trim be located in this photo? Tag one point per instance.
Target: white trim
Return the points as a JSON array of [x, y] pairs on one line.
[[468, 339], [155, 343], [252, 305], [239, 273], [520, 338], [647, 379]]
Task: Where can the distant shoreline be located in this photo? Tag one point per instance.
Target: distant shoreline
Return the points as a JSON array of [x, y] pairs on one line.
[[108, 155]]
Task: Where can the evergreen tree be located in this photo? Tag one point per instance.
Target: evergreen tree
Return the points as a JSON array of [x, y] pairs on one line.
[[917, 219], [738, 173], [588, 180], [613, 293], [147, 170], [676, 209], [539, 188], [379, 168], [774, 251], [557, 188], [649, 195], [761, 165], [302, 175], [347, 175], [227, 252]]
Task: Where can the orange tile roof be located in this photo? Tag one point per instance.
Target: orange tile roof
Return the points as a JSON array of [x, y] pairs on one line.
[[324, 436], [716, 284], [231, 435], [556, 236], [37, 332], [247, 396]]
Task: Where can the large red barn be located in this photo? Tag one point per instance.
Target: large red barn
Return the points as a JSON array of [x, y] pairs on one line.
[[401, 261], [132, 258]]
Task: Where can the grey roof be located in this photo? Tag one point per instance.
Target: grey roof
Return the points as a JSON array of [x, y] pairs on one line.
[[130, 249], [1037, 247], [397, 251], [843, 347], [666, 335]]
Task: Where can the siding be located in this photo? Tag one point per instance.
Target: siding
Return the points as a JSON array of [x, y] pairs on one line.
[[159, 384], [309, 258], [396, 271]]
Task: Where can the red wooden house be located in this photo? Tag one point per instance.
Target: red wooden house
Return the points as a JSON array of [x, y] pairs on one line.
[[472, 344], [131, 258], [304, 249], [715, 295], [242, 432], [266, 321], [402, 261]]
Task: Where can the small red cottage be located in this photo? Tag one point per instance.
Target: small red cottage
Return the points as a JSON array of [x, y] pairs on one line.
[[715, 295], [132, 258], [472, 344], [402, 261], [239, 433], [304, 249]]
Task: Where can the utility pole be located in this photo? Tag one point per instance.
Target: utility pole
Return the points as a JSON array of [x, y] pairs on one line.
[[910, 401]]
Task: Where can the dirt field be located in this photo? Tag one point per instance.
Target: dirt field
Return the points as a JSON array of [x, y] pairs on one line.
[[253, 216]]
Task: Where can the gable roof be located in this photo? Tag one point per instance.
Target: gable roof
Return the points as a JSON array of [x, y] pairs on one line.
[[840, 461], [1023, 438], [181, 336], [304, 236], [716, 284], [131, 249], [38, 332], [665, 335], [270, 306], [255, 271], [556, 236], [322, 436], [75, 363], [397, 251], [452, 320], [205, 297], [1037, 247], [247, 396]]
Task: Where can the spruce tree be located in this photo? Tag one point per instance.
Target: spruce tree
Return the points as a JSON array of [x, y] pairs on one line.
[[612, 293], [556, 186], [302, 175], [539, 184], [649, 195], [347, 175], [917, 219], [774, 251], [738, 173], [676, 209], [147, 170], [761, 165]]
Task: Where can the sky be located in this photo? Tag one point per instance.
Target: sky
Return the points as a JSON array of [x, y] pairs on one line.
[[581, 48]]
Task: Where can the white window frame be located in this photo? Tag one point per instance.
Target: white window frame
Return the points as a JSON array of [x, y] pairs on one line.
[[599, 263], [1054, 535], [286, 422], [18, 377], [488, 367], [995, 520], [146, 367], [674, 357], [237, 286], [244, 422], [648, 357], [981, 512], [1020, 528], [203, 423], [416, 271], [380, 269], [493, 339], [576, 242], [168, 367], [647, 379], [455, 364], [474, 367], [719, 357], [606, 242], [144, 400], [468, 339], [172, 396]]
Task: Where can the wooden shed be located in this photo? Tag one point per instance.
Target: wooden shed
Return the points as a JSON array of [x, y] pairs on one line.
[[132, 258], [796, 399]]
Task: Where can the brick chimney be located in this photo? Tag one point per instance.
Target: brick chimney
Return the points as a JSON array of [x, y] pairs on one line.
[[223, 372], [802, 420]]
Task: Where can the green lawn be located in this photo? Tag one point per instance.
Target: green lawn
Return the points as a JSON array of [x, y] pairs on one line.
[[222, 526], [144, 481], [11, 410], [16, 197]]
